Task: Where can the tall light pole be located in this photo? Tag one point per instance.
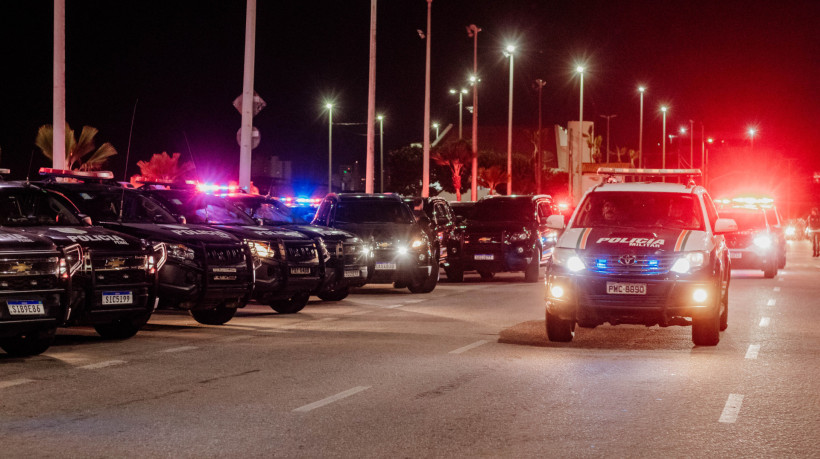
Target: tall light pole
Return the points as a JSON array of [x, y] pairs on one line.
[[425, 172], [752, 132], [58, 95], [608, 117], [371, 104], [329, 107], [682, 133], [580, 70], [539, 83], [510, 50], [472, 32], [460, 93], [641, 89], [381, 153], [435, 126], [691, 144], [663, 139]]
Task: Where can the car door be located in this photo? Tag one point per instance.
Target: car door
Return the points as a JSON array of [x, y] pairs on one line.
[[547, 236]]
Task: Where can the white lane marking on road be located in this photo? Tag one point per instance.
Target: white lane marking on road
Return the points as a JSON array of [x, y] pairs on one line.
[[231, 339], [97, 366], [413, 301], [731, 409], [776, 289], [765, 321], [358, 313], [771, 302], [179, 349], [469, 346], [331, 399], [14, 382], [393, 306], [752, 352]]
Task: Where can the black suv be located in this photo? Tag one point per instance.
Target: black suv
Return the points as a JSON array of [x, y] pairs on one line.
[[288, 262], [402, 251], [435, 215], [348, 255], [115, 291], [208, 272], [755, 244], [507, 233], [34, 275]]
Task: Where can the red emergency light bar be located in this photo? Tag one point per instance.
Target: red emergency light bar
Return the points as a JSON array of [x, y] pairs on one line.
[[68, 173], [292, 201], [647, 172]]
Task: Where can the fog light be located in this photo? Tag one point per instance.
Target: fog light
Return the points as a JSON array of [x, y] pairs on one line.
[[557, 291], [421, 257], [520, 250], [699, 295]]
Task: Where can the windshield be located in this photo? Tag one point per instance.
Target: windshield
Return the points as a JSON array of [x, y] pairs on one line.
[[105, 206], [32, 207], [631, 209], [203, 208], [498, 210], [270, 211], [746, 219], [373, 211]]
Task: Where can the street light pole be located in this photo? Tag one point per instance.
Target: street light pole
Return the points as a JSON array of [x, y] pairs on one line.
[[425, 176], [691, 144], [381, 153], [472, 32], [329, 147], [752, 132], [538, 157], [509, 53], [641, 89], [571, 166], [460, 93], [608, 117], [663, 139], [435, 126]]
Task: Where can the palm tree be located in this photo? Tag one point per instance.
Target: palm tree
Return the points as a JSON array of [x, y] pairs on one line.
[[76, 150], [491, 177], [455, 156], [163, 168], [594, 144]]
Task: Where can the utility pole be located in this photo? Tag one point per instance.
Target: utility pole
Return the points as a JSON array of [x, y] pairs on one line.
[[246, 128], [58, 96], [425, 176], [472, 32], [369, 172], [539, 83], [691, 144], [608, 117]]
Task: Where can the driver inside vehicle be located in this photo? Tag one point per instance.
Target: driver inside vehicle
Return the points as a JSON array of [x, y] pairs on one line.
[[610, 212], [679, 214]]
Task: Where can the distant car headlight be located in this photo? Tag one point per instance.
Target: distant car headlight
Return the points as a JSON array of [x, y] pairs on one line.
[[519, 236], [261, 249], [790, 231], [568, 259], [690, 261], [763, 241], [180, 252]]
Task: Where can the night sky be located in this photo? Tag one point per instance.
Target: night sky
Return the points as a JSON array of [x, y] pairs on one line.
[[726, 64]]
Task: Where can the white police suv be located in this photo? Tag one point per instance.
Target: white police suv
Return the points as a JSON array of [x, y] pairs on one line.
[[649, 253]]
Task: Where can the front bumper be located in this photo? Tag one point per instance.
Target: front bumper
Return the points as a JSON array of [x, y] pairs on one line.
[[15, 325], [276, 280], [185, 286], [391, 265], [750, 258], [496, 257]]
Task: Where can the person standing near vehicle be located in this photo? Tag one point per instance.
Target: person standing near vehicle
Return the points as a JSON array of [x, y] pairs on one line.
[[813, 228]]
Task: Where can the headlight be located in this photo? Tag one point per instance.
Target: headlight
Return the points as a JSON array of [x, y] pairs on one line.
[[568, 259], [180, 252], [416, 243], [261, 249], [763, 241], [790, 231], [519, 236], [689, 262]]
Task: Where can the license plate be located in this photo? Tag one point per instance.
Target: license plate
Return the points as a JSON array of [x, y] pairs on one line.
[[299, 270], [625, 288], [117, 298], [26, 308], [484, 257], [224, 278], [385, 266], [735, 255], [224, 270], [352, 273]]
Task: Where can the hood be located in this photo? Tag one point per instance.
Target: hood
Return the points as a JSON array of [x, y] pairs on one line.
[[17, 241], [324, 232], [266, 233], [605, 240], [89, 237], [175, 233], [383, 232]]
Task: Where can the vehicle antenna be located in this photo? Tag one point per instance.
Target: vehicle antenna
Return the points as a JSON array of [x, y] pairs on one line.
[[28, 171], [191, 153], [127, 155]]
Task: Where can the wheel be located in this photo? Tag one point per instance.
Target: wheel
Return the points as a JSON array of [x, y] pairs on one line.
[[427, 283], [781, 261], [486, 275], [454, 274], [122, 328], [334, 295], [771, 270], [559, 330], [216, 316], [534, 268], [32, 343], [706, 326], [292, 305]]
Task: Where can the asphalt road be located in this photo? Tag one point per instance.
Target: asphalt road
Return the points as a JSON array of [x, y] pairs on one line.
[[464, 371]]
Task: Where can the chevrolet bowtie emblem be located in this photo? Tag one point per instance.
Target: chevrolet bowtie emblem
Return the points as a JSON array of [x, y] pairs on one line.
[[21, 268], [485, 239], [115, 263]]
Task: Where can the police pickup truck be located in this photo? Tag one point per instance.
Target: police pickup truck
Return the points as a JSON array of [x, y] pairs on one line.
[[641, 253]]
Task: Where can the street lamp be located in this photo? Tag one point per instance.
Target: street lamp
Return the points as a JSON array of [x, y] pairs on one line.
[[472, 32], [539, 83], [435, 126], [509, 53], [329, 107], [663, 139], [460, 109], [682, 131], [381, 153], [641, 89]]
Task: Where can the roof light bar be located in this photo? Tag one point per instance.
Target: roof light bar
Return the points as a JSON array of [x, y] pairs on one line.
[[647, 172], [97, 175]]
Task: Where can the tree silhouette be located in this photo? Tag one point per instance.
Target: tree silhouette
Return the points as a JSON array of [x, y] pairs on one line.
[[76, 150], [163, 168], [455, 156]]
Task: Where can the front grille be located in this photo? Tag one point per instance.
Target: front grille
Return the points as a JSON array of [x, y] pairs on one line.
[[626, 264], [354, 254], [485, 238], [738, 241], [115, 269], [301, 252], [224, 255], [28, 273], [131, 276], [28, 283]]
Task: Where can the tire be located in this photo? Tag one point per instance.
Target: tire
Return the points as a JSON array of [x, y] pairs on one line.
[[291, 305], [334, 295], [559, 330], [706, 327], [486, 275], [781, 261], [534, 268], [771, 270], [454, 274], [33, 343], [122, 328], [428, 283], [218, 316]]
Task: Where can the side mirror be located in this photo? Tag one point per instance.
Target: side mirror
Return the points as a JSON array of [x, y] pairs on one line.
[[725, 225], [556, 222], [259, 222], [86, 219], [181, 219]]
